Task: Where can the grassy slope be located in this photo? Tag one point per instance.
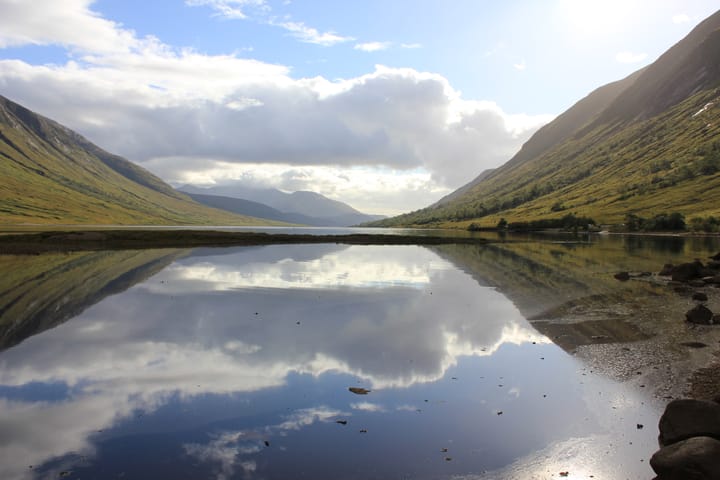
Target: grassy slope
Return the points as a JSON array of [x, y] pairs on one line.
[[635, 146], [52, 175], [42, 291]]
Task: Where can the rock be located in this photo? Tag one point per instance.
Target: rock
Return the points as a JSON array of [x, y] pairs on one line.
[[687, 418], [713, 280], [622, 276], [696, 458], [697, 283], [699, 314], [359, 390], [716, 256], [713, 264], [700, 297], [716, 319], [667, 270], [687, 271]]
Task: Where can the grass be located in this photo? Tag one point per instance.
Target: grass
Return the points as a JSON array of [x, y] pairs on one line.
[[51, 175], [669, 163]]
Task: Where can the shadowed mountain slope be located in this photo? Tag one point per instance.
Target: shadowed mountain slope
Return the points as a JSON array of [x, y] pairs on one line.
[[54, 175]]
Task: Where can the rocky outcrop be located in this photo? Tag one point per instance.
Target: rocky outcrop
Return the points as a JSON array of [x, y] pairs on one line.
[[687, 271], [688, 418], [690, 441], [696, 458]]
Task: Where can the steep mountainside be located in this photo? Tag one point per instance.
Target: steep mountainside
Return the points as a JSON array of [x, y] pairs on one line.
[[308, 208], [648, 144], [53, 175]]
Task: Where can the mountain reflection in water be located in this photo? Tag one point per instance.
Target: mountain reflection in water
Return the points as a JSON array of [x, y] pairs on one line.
[[236, 363]]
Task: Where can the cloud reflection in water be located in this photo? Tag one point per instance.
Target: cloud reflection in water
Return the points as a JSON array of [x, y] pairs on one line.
[[243, 320]]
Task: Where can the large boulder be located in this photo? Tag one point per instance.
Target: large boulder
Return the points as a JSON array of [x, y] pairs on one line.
[[699, 314], [696, 458], [687, 271], [688, 418]]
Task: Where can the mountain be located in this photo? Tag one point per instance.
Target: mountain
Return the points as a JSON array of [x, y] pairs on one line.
[[54, 175], [307, 208], [39, 292], [646, 145]]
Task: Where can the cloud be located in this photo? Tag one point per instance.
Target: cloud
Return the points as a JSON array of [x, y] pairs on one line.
[[680, 18], [69, 23], [411, 45], [372, 46], [182, 348], [230, 9], [145, 100], [311, 35], [520, 66], [630, 57]]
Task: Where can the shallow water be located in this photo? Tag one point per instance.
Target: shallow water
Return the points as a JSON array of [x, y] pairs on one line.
[[236, 363]]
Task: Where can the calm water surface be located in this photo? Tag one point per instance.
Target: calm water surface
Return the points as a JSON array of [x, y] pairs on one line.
[[236, 364]]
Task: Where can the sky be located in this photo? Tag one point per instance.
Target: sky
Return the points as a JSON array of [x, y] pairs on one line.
[[384, 104]]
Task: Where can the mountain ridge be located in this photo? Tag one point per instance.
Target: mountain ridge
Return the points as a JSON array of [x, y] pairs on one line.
[[646, 144], [54, 175], [304, 207]]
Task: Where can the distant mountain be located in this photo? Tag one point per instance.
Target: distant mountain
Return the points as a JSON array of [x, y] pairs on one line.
[[307, 208], [51, 174], [647, 144]]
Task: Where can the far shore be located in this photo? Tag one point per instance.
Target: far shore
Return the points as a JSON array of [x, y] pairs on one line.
[[101, 239]]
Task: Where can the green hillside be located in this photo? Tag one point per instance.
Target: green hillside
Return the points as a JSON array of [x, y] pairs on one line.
[[39, 292], [52, 175], [645, 145]]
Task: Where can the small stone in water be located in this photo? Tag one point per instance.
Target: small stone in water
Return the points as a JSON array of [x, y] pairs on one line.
[[359, 390]]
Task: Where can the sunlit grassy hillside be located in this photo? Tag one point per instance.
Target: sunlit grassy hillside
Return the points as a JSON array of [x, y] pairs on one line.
[[52, 175], [646, 145]]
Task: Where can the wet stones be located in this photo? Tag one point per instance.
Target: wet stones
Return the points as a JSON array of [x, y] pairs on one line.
[[699, 314], [696, 458], [687, 418], [700, 297], [690, 441], [687, 271], [622, 276]]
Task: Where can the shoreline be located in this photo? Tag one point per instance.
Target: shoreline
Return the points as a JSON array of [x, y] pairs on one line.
[[87, 240]]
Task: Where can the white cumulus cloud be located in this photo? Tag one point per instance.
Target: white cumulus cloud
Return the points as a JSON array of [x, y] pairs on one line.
[[188, 115]]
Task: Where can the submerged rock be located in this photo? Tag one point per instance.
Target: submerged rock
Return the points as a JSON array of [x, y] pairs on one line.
[[699, 314], [688, 418], [696, 458]]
